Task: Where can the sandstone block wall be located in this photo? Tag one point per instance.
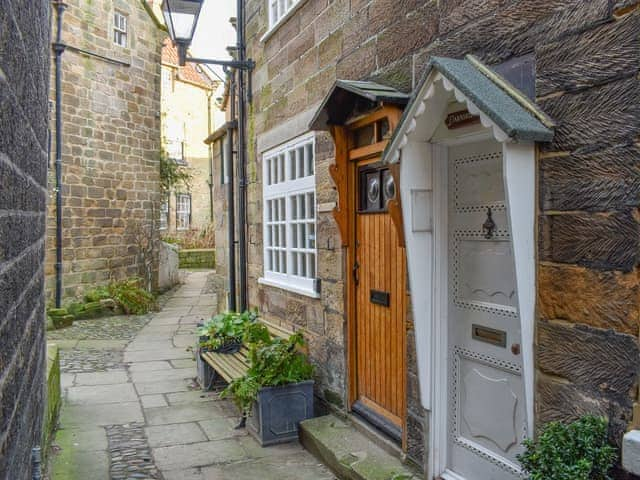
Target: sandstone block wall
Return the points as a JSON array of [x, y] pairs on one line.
[[587, 60], [24, 89], [111, 146]]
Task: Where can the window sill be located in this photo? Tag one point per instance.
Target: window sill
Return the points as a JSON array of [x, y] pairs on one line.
[[289, 287], [272, 30]]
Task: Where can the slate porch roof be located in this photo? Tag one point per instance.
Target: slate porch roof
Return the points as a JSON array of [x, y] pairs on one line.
[[518, 117], [343, 97]]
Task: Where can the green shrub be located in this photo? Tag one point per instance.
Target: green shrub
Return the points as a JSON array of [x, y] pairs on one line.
[[272, 362], [226, 328], [97, 294], [131, 297], [575, 451]]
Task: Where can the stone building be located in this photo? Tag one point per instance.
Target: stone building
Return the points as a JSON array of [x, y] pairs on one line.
[[111, 145], [189, 114], [354, 104], [24, 89]]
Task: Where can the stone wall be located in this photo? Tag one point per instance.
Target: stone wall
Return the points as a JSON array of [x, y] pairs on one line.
[[111, 146], [587, 60], [24, 88]]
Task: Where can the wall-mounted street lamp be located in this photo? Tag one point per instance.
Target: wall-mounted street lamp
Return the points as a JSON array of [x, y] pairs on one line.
[[181, 17]]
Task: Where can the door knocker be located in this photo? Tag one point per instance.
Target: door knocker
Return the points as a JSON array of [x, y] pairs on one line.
[[489, 226]]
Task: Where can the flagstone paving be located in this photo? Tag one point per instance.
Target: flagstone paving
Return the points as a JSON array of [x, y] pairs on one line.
[[132, 409]]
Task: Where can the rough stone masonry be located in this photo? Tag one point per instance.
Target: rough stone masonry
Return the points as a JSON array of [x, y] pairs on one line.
[[110, 148], [24, 89]]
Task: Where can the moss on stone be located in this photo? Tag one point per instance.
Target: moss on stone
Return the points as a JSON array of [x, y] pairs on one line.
[[53, 396], [333, 398]]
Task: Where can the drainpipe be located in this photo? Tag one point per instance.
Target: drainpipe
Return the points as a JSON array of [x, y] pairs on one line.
[[242, 167], [209, 97], [58, 48], [231, 208]]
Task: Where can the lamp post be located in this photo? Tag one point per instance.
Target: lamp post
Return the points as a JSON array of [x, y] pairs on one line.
[[181, 17]]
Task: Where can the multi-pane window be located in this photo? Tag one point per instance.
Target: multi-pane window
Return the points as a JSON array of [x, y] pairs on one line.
[[120, 29], [278, 9], [183, 211], [289, 215], [164, 214]]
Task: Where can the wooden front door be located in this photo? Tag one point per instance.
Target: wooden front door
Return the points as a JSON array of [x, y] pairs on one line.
[[487, 421], [379, 278]]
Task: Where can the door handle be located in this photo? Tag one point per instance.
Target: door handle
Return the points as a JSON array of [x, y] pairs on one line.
[[355, 273]]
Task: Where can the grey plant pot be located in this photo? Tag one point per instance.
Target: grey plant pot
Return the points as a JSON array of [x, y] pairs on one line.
[[278, 412]]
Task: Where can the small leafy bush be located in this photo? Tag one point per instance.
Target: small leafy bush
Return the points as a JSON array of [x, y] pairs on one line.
[[272, 362], [226, 328], [97, 294], [131, 297], [575, 451]]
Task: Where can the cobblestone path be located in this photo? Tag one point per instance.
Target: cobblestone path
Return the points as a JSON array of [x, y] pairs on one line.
[[132, 410]]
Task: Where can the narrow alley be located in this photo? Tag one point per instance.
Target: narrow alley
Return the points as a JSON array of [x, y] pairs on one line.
[[132, 409]]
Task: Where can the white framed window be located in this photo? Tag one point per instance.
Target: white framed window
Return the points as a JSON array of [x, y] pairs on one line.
[[120, 29], [183, 211], [289, 224], [279, 11], [164, 213]]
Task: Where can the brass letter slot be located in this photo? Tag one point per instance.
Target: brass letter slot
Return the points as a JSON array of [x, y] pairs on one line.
[[489, 335], [380, 298]]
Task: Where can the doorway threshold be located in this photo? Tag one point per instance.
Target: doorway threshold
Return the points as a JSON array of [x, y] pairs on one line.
[[350, 453]]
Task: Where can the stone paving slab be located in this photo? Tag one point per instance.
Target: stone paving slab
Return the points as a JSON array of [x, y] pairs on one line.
[[152, 401], [101, 378], [131, 410], [99, 394], [99, 415], [198, 454], [175, 434]]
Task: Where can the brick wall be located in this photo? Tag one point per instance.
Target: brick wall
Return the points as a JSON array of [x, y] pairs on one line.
[[587, 62], [24, 84], [111, 145]]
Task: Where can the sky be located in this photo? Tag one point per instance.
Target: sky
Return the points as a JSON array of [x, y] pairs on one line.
[[214, 33]]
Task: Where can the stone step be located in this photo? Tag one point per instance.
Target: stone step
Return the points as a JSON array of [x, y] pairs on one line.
[[349, 453]]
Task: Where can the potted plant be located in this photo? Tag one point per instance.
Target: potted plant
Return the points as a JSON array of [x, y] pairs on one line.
[[221, 334], [224, 332], [277, 391], [575, 451]]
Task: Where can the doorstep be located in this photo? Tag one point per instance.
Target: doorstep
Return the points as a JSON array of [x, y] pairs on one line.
[[350, 453]]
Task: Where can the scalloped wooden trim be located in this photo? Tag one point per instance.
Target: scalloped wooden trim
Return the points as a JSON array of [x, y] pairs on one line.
[[339, 172]]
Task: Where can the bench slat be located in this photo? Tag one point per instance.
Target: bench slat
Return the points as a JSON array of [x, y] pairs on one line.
[[235, 365]]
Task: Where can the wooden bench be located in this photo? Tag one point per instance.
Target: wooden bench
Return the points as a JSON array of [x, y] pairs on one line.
[[235, 365]]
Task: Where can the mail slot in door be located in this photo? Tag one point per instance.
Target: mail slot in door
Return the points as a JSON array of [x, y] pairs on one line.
[[380, 298], [489, 335]]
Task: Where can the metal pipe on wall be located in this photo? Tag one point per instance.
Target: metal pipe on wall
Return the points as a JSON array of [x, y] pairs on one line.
[[209, 122], [231, 214], [58, 48], [242, 167]]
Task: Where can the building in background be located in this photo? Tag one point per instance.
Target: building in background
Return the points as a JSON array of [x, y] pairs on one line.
[[110, 145], [189, 114]]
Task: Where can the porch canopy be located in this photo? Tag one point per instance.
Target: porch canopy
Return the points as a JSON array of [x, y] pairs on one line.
[[462, 101], [502, 107], [349, 98]]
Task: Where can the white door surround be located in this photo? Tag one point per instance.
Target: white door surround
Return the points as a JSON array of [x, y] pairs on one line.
[[421, 148]]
